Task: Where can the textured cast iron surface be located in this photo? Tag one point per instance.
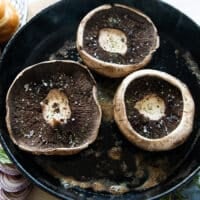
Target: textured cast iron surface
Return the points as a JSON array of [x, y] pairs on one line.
[[178, 55]]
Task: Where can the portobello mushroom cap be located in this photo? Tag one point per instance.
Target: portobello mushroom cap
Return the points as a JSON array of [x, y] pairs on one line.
[[154, 110], [115, 40], [52, 108]]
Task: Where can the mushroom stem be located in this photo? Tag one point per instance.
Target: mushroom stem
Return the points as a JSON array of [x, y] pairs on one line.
[[151, 106], [113, 40], [55, 108]]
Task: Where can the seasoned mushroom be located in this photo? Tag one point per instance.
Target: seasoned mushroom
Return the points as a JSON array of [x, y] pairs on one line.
[[115, 40], [154, 110], [52, 108]]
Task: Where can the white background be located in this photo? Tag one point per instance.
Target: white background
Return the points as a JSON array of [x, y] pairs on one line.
[[190, 7]]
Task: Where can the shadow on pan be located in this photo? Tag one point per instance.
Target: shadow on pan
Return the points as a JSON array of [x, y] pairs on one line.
[[43, 38]]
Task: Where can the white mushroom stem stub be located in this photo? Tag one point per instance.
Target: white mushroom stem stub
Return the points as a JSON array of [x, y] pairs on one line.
[[151, 106], [113, 40], [55, 108]]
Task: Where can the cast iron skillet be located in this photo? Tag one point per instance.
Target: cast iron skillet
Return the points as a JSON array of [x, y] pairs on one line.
[[178, 55]]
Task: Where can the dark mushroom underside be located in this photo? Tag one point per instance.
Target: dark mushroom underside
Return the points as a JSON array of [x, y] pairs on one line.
[[172, 98], [26, 118], [140, 33]]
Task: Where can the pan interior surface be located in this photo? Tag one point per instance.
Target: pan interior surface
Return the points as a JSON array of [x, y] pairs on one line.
[[148, 174]]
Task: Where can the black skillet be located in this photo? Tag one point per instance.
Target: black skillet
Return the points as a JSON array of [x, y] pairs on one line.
[[179, 55]]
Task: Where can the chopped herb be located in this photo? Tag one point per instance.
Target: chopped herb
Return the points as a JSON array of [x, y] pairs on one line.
[[4, 158]]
